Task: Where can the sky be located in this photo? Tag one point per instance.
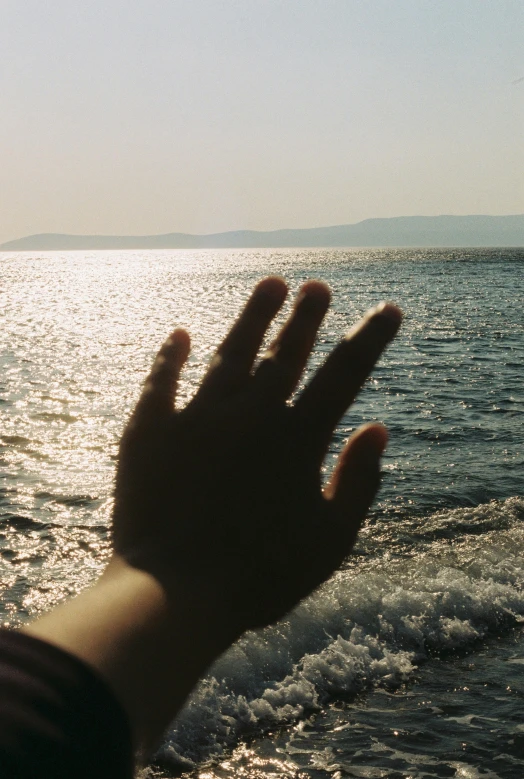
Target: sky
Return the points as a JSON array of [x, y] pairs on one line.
[[135, 117]]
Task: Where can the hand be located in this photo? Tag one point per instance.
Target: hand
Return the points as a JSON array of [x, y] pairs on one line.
[[222, 500], [220, 522]]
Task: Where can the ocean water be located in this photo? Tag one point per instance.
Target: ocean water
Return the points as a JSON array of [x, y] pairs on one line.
[[409, 662]]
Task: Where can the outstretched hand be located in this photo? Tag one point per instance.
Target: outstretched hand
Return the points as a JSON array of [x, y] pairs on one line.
[[223, 499], [220, 522]]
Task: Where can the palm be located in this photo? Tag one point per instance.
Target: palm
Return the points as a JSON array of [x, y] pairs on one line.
[[225, 495]]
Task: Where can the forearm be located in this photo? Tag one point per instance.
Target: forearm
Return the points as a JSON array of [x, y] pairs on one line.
[[150, 649], [222, 503]]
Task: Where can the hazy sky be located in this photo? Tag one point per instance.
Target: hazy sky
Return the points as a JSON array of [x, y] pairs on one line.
[[153, 116]]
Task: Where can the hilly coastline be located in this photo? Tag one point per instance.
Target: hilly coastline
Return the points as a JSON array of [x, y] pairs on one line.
[[435, 231]]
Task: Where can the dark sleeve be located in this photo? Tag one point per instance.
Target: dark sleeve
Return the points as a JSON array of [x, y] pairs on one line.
[[58, 718]]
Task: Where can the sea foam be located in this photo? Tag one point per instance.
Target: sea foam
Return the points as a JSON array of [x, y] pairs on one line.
[[361, 629]]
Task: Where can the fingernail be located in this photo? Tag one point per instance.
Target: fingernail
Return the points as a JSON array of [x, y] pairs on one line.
[[389, 311], [311, 301], [376, 436], [273, 288], [390, 315]]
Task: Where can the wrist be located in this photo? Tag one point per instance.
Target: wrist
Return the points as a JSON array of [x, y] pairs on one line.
[[151, 646], [175, 604]]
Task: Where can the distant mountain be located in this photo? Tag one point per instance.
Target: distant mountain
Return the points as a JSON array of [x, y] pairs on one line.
[[437, 231]]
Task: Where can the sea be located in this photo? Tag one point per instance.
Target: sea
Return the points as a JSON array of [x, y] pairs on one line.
[[409, 662]]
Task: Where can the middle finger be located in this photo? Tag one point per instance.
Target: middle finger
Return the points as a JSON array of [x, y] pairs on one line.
[[280, 370], [337, 383]]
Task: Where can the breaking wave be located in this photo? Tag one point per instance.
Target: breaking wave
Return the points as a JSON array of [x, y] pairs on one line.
[[364, 628]]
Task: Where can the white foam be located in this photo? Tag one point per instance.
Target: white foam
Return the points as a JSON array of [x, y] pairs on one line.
[[362, 629]]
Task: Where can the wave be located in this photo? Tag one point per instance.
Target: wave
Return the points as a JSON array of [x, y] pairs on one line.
[[67, 500], [50, 416], [24, 524], [16, 440], [369, 626], [10, 521], [402, 530]]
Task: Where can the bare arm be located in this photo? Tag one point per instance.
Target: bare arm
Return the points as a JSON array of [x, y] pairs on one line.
[[220, 522]]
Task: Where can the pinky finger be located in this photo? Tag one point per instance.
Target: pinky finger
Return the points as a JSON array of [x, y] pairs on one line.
[[356, 479], [158, 396]]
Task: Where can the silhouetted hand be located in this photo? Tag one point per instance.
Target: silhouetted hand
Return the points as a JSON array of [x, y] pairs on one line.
[[222, 500]]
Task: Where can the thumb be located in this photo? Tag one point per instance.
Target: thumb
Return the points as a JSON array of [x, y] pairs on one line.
[[356, 479]]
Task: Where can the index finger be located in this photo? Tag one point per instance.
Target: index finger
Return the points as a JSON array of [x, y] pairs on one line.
[[337, 383], [234, 358]]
